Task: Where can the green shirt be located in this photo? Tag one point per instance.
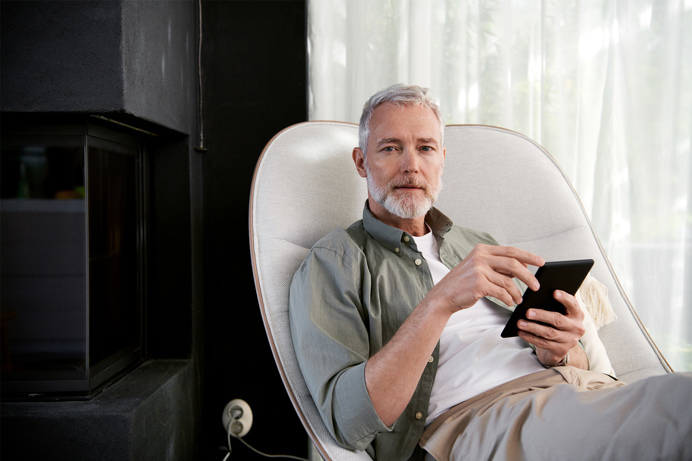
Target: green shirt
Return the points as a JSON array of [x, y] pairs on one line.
[[348, 298]]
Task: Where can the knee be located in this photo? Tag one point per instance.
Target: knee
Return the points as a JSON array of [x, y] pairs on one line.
[[675, 389], [671, 383], [679, 382]]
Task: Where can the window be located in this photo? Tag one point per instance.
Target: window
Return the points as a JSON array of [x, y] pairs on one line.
[[73, 229]]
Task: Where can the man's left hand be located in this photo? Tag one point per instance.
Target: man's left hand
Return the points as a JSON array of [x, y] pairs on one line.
[[561, 334]]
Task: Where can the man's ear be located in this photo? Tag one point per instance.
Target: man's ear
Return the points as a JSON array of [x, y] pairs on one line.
[[359, 160]]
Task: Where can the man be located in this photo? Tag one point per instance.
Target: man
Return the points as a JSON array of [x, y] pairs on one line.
[[396, 322]]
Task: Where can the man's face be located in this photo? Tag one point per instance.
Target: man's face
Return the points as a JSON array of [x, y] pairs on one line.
[[404, 160]]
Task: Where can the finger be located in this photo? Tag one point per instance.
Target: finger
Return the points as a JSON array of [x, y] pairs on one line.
[[496, 259], [508, 259], [522, 256], [572, 308], [542, 331], [513, 268], [555, 350], [545, 337], [550, 355], [502, 285], [503, 295], [553, 325], [558, 320], [555, 319]]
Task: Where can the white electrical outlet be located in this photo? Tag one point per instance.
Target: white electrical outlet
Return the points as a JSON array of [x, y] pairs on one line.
[[238, 416]]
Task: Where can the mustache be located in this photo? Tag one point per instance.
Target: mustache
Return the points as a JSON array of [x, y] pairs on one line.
[[408, 182]]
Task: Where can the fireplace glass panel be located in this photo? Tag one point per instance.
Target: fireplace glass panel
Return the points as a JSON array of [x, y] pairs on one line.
[[71, 263]]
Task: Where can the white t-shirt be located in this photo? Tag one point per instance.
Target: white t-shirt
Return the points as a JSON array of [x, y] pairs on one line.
[[471, 342]]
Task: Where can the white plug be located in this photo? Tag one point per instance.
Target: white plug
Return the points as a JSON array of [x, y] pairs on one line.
[[238, 416]]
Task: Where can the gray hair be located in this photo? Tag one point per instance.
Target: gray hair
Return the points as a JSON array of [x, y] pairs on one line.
[[400, 95]]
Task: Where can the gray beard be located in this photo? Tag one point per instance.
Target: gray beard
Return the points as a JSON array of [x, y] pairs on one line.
[[406, 207]]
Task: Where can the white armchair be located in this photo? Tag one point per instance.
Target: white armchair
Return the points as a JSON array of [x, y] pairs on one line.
[[306, 185]]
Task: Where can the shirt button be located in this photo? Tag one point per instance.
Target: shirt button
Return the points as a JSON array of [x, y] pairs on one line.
[[431, 359], [407, 238], [396, 250], [419, 415], [418, 262]]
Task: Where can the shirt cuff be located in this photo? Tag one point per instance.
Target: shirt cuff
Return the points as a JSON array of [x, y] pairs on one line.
[[357, 420]]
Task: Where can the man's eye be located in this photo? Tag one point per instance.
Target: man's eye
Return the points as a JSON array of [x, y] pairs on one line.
[[389, 149], [426, 148]]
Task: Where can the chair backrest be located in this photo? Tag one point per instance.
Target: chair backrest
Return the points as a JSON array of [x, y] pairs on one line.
[[495, 180]]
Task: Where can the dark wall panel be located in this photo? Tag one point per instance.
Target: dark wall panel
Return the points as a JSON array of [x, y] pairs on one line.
[[254, 85], [59, 57]]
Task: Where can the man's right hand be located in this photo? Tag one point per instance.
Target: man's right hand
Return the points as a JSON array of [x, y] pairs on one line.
[[487, 271]]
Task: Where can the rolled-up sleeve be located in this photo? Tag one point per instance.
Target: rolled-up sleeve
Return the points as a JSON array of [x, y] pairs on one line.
[[333, 335]]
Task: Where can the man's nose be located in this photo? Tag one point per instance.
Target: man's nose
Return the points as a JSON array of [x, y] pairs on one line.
[[409, 160]]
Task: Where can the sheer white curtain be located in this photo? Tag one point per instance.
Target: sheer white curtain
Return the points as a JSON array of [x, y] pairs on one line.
[[604, 85]]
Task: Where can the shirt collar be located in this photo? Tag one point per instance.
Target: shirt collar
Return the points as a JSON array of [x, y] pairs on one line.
[[391, 237]]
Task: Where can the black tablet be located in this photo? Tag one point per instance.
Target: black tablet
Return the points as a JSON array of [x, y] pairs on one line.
[[557, 275]]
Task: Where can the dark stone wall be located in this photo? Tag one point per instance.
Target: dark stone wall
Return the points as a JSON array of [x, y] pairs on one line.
[[61, 56], [159, 43]]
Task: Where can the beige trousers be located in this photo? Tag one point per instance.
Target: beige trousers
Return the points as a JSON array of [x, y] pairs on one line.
[[550, 415]]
